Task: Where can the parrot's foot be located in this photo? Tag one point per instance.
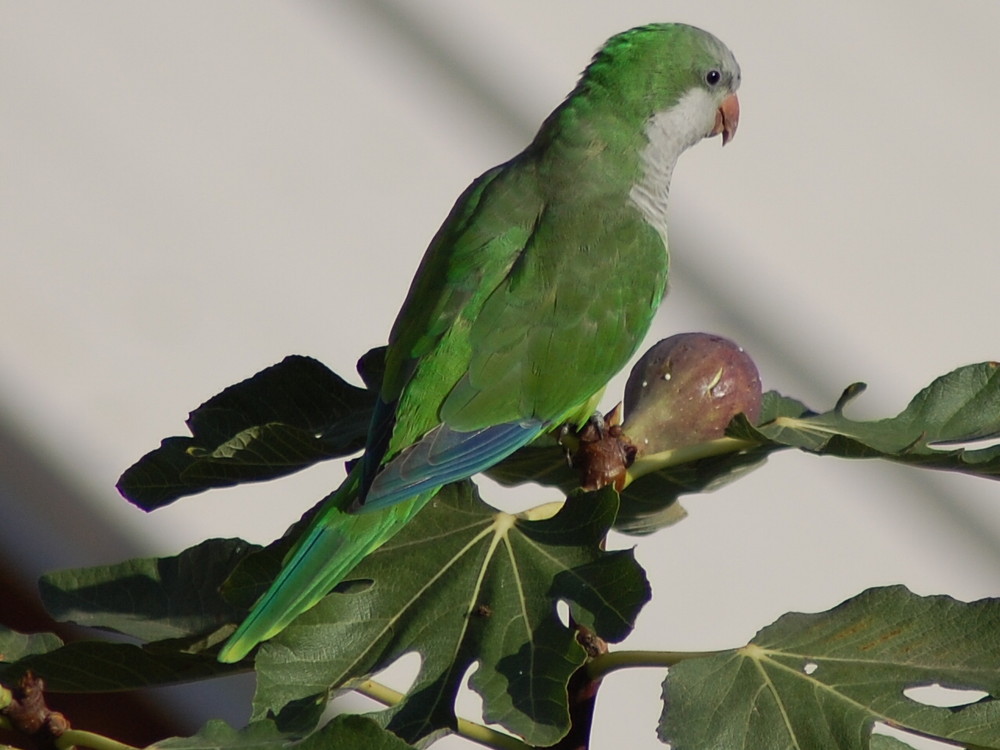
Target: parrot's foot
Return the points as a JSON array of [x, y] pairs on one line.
[[603, 452]]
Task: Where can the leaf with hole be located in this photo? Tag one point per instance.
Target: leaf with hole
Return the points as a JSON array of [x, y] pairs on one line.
[[822, 681], [461, 585]]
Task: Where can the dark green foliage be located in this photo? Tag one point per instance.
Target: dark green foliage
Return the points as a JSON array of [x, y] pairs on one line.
[[281, 420], [823, 680], [465, 585]]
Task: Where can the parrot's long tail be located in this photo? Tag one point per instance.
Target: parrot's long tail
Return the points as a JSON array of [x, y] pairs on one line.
[[333, 544]]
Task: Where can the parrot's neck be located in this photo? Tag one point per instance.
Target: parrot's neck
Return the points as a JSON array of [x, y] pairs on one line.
[[668, 134]]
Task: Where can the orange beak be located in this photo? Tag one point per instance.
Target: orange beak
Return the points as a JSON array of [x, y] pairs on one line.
[[727, 118]]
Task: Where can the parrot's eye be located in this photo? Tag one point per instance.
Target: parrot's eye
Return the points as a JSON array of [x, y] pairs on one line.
[[712, 77]]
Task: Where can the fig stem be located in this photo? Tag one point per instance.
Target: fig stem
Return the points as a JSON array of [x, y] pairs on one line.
[[648, 463]]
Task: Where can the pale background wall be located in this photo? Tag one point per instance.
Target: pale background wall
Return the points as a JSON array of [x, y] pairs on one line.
[[190, 191]]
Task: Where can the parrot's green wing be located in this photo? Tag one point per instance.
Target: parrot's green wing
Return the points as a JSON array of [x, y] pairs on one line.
[[532, 341], [475, 249], [565, 319], [429, 347]]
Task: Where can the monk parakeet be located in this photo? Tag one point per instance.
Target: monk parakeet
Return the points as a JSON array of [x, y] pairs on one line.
[[536, 290]]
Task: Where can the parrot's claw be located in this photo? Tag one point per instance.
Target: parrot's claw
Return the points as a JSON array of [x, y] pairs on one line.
[[603, 452]]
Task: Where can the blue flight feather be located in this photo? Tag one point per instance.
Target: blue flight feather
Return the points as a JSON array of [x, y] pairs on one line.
[[444, 455]]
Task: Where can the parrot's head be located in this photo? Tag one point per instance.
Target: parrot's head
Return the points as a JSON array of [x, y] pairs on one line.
[[670, 69]]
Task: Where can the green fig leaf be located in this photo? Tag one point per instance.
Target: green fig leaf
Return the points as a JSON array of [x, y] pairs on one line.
[[150, 598], [15, 646], [283, 419], [103, 666], [937, 430], [462, 584], [342, 733], [822, 681]]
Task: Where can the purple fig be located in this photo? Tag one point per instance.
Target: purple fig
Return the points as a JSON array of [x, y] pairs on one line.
[[686, 389]]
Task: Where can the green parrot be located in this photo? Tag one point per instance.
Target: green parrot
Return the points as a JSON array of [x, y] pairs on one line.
[[536, 290]]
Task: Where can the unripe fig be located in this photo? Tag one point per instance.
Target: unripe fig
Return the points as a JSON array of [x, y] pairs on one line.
[[686, 389]]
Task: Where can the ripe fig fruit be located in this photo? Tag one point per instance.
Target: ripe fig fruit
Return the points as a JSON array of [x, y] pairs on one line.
[[686, 389]]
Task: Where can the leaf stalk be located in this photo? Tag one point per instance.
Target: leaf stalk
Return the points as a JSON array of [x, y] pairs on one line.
[[470, 730], [605, 664], [79, 738]]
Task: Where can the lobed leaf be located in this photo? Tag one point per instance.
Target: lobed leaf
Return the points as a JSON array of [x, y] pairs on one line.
[[821, 681], [463, 584], [149, 598], [283, 419], [960, 407], [175, 602], [102, 666]]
